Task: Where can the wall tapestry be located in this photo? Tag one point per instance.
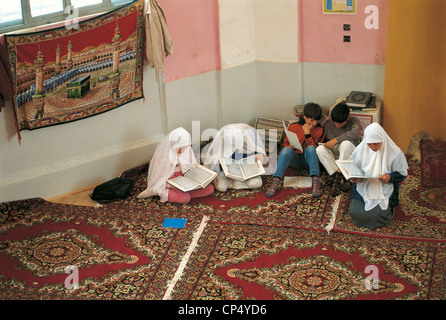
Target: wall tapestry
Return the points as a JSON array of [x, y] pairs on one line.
[[68, 73]]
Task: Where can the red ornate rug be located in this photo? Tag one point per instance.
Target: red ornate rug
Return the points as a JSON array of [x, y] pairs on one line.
[[245, 262], [433, 163], [124, 255], [420, 215], [77, 71], [252, 247], [289, 207]]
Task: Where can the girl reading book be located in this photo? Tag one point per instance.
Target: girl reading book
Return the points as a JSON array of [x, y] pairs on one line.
[[235, 141], [374, 200], [173, 157]]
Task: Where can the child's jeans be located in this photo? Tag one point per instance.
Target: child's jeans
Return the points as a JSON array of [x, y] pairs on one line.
[[307, 161]]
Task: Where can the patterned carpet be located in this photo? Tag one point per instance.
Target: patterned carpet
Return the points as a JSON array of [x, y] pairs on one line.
[[119, 254], [236, 245], [233, 262]]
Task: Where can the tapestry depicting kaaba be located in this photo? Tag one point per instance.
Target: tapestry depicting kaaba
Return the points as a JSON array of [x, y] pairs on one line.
[[79, 70]]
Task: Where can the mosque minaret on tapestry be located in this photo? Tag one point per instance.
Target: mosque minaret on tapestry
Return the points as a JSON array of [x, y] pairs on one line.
[[80, 73]]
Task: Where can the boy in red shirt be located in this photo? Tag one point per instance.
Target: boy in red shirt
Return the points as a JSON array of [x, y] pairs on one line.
[[310, 133]]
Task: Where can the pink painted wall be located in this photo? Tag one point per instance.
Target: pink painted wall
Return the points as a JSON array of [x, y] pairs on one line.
[[193, 25], [321, 35]]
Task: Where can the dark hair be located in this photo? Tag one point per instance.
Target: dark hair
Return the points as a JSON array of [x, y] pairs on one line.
[[313, 110], [340, 112]]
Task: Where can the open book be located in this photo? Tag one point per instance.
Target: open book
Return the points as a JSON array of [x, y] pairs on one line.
[[351, 171], [297, 182], [196, 178], [242, 169], [292, 138]]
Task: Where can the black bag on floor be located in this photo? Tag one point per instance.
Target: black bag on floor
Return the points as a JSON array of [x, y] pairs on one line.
[[115, 189]]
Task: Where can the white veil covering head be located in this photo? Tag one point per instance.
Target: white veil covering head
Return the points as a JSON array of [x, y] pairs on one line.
[[239, 137], [389, 158], [165, 159]]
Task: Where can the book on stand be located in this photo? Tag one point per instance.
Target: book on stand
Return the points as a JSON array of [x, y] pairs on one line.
[[351, 171], [358, 99], [196, 178], [243, 169], [371, 106]]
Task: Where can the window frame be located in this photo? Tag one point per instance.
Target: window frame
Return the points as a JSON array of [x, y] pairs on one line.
[[29, 22]]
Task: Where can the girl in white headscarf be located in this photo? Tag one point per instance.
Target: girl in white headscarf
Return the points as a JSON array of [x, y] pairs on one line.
[[233, 140], [173, 157], [374, 200]]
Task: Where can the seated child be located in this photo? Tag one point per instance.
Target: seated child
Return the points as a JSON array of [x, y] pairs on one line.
[[173, 157], [374, 200], [233, 141], [342, 135], [310, 133]]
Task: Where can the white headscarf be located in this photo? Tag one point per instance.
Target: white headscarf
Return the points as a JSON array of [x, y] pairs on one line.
[[165, 159], [239, 137], [389, 158]]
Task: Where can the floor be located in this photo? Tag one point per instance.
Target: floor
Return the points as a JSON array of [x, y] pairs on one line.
[[79, 197]]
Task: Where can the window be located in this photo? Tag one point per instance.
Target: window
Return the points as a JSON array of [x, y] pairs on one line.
[[10, 13], [43, 7], [21, 14], [83, 3]]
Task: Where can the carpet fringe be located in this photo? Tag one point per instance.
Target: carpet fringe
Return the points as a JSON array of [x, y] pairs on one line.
[[334, 211], [179, 272]]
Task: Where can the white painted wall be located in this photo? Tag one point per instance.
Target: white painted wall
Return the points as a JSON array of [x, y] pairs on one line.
[[237, 32], [325, 82], [252, 30], [276, 30]]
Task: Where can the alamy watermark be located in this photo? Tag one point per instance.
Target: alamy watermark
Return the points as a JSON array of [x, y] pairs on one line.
[[256, 140], [72, 281], [72, 19], [372, 21], [372, 280]]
